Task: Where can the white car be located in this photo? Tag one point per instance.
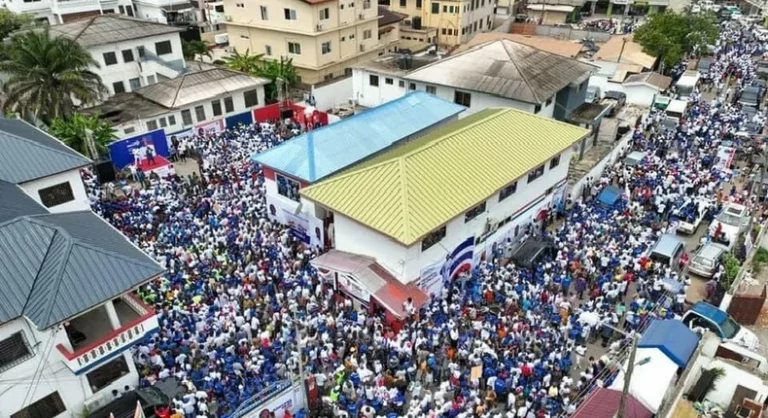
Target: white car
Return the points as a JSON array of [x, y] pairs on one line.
[[690, 226], [732, 221]]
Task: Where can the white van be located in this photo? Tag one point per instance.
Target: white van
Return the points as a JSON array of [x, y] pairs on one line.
[[677, 109]]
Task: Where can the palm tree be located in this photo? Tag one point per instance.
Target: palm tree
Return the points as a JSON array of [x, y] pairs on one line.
[[74, 131], [246, 63], [47, 77], [274, 69], [192, 49]]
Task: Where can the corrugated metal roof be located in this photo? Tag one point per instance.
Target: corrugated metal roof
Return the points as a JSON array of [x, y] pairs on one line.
[[28, 153], [197, 86], [14, 204], [624, 49], [48, 261], [604, 403], [329, 149], [506, 69], [673, 338], [413, 189], [110, 28], [650, 78]]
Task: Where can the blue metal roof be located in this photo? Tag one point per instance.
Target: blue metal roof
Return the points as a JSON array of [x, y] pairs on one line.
[[609, 196], [673, 338], [329, 149], [708, 310]]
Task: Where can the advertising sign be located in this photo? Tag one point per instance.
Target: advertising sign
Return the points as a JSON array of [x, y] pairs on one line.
[[431, 279], [147, 151], [210, 128], [303, 226]]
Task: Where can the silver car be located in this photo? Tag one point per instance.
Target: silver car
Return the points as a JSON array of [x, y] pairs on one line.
[[706, 260]]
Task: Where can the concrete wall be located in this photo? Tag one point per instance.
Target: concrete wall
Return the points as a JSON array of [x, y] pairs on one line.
[[339, 92], [570, 33], [640, 95], [72, 177], [622, 145], [568, 99]]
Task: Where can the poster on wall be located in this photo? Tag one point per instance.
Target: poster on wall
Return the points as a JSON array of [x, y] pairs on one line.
[[147, 151], [210, 128], [303, 226], [351, 286], [431, 279]]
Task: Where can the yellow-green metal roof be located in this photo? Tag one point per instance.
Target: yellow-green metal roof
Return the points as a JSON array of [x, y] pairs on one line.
[[413, 189]]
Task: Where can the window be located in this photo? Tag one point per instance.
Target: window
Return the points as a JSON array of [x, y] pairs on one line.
[[347, 71], [135, 83], [294, 48], [163, 123], [403, 3], [433, 238], [107, 373], [290, 14], [507, 191], [129, 10], [171, 120], [47, 407], [445, 9], [431, 89], [400, 83], [536, 173], [186, 117], [121, 9], [118, 87], [389, 81], [554, 162], [536, 109], [240, 5], [140, 50], [244, 36], [268, 50], [110, 58], [411, 86], [200, 113], [216, 105], [462, 98], [287, 187], [127, 55], [219, 9], [14, 349], [325, 14], [328, 77], [325, 47], [351, 36], [151, 125], [443, 31], [373, 80], [366, 4], [264, 13], [251, 98], [229, 105], [418, 4], [56, 195], [549, 101], [367, 34], [151, 79], [452, 9], [163, 48], [474, 212], [129, 130], [474, 27], [435, 8]]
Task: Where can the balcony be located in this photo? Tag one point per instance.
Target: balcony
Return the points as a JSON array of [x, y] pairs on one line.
[[64, 7], [94, 339]]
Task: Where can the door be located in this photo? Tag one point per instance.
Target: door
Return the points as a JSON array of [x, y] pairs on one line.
[[739, 395]]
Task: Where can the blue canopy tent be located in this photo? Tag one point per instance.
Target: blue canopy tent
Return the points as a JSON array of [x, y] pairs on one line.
[[673, 338], [609, 196]]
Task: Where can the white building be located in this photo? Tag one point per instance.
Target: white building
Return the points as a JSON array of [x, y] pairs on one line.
[[131, 53], [642, 88], [62, 349], [408, 208], [617, 59], [195, 100], [65, 11], [499, 73]]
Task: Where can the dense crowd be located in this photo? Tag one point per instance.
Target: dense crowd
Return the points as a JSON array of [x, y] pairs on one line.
[[241, 309]]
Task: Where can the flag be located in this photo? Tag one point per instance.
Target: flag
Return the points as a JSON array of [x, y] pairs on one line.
[[111, 415], [139, 412], [460, 259]]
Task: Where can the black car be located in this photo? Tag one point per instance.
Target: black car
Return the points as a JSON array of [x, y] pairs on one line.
[[533, 252], [125, 406]]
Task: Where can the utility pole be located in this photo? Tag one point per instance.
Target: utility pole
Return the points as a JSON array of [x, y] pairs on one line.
[[627, 379], [623, 43]]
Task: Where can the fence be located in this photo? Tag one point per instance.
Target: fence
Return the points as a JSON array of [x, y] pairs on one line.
[[596, 172], [568, 32]]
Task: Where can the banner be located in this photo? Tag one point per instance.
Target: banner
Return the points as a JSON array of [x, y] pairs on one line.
[[210, 128], [138, 150], [245, 118], [303, 226], [354, 288], [431, 280], [460, 259]]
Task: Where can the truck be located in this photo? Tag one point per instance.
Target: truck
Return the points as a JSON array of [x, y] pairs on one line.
[[729, 224], [706, 316], [691, 213], [687, 83], [616, 100]]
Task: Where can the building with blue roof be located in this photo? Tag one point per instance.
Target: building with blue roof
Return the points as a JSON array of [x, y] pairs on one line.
[[673, 338]]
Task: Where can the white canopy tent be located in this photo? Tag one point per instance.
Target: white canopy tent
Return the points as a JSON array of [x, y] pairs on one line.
[[654, 372]]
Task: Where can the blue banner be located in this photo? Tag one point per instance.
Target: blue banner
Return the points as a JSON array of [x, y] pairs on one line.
[[138, 149], [246, 118]]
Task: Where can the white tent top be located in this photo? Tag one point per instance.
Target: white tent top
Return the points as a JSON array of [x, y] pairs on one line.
[[651, 379]]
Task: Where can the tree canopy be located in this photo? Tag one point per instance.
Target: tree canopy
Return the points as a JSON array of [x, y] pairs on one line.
[[271, 69], [670, 36], [192, 49], [246, 62], [74, 131]]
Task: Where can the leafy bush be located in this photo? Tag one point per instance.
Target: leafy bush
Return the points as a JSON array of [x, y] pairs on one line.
[[732, 267]]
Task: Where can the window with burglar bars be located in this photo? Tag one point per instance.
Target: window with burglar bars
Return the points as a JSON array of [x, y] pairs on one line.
[[14, 350]]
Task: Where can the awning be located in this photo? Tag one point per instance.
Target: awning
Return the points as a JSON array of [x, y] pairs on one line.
[[673, 338], [364, 278], [604, 403], [654, 372], [550, 8]]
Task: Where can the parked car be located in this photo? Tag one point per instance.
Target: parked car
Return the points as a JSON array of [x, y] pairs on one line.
[[706, 259], [615, 99], [705, 315], [668, 250], [688, 219], [532, 252], [634, 158], [751, 96], [125, 406], [704, 64], [593, 94]]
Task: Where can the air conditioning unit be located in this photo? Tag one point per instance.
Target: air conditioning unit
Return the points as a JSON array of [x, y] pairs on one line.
[[361, 16], [319, 27], [353, 102], [228, 18], [362, 47]]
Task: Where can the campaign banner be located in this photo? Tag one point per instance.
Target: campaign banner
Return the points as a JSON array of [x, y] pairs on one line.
[[303, 226], [354, 288], [431, 279], [245, 118], [138, 150], [210, 128], [460, 259]]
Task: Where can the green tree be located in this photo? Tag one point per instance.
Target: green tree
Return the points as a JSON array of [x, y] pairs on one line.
[[274, 70], [47, 77], [75, 129], [670, 36], [11, 22], [246, 63], [193, 49]]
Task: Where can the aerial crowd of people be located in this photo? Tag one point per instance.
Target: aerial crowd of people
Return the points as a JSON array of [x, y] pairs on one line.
[[241, 309]]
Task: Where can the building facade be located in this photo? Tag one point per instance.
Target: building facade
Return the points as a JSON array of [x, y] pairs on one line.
[[61, 11], [456, 21], [323, 38]]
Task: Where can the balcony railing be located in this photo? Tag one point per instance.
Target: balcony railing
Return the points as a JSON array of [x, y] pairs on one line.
[[113, 343], [74, 6]]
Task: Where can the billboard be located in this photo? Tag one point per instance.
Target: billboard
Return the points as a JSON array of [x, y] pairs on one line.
[[140, 150], [210, 128], [306, 228]]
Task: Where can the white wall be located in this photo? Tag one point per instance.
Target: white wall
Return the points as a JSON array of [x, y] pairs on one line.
[[124, 71], [75, 181], [726, 386], [640, 95], [238, 100], [597, 170], [354, 237], [18, 383], [333, 94]]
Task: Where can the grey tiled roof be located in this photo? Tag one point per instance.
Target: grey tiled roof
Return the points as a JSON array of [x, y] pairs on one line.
[[27, 153], [58, 265], [197, 86], [110, 28]]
